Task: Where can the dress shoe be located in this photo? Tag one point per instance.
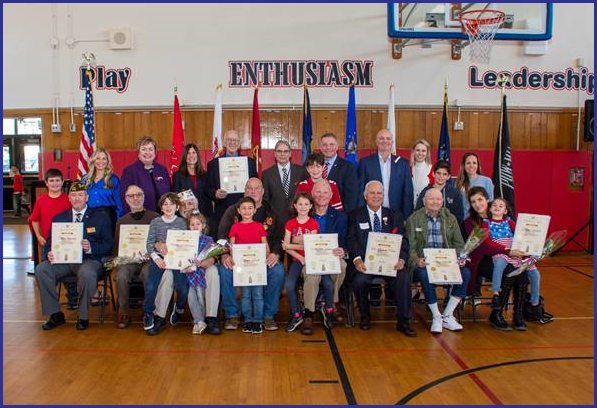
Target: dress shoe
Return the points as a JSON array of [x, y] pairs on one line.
[[82, 324], [213, 326], [307, 327], [365, 323], [124, 321], [158, 325], [406, 329], [55, 320]]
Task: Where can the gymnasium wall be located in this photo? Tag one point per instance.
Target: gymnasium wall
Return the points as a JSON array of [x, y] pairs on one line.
[[191, 44]]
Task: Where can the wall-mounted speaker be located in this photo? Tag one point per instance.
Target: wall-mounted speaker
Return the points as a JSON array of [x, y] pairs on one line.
[[120, 39], [589, 126]]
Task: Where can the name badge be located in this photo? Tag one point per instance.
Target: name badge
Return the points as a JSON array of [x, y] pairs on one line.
[[418, 230], [364, 225], [91, 230]]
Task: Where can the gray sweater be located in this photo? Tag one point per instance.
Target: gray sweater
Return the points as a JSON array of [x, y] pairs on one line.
[[158, 230]]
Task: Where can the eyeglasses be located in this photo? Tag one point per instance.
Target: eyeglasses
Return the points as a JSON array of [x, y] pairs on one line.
[[135, 195]]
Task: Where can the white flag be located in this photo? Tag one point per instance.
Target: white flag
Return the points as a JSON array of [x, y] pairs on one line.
[[392, 119], [217, 132]]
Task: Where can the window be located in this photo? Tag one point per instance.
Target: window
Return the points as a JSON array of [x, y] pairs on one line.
[[29, 126], [9, 127], [22, 144], [31, 158], [5, 159]]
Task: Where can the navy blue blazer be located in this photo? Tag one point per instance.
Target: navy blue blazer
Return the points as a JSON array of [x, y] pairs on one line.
[[359, 227], [96, 229], [181, 183], [344, 173], [337, 222], [401, 186]]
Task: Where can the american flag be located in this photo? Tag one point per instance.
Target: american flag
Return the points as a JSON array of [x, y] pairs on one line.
[[87, 146]]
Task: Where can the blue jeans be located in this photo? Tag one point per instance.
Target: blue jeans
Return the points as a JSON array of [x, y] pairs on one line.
[[271, 292], [499, 264], [252, 303], [535, 279], [458, 291], [154, 276], [294, 273]]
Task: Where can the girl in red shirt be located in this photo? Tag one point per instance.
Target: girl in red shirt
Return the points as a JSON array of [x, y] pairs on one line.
[[302, 223]]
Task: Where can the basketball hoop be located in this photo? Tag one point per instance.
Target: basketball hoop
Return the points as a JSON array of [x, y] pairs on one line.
[[481, 26]]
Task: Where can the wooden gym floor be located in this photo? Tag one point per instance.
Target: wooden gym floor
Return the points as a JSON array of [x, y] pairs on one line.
[[548, 364]]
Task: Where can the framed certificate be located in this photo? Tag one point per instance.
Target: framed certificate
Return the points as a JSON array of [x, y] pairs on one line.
[[250, 268], [234, 173], [66, 242], [530, 234], [319, 259], [442, 266], [133, 240], [383, 252], [182, 248]]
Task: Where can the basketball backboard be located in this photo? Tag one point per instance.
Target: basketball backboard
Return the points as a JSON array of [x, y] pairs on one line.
[[523, 22]]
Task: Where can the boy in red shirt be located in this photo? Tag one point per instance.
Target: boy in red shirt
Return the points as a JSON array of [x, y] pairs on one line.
[[314, 165], [19, 190]]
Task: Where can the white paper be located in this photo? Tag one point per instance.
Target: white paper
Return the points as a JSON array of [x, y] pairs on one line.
[[182, 248], [234, 173], [133, 240], [530, 234], [319, 259], [442, 266], [66, 242], [382, 254], [250, 268]]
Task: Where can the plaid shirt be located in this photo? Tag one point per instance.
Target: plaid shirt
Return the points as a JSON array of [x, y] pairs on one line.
[[197, 278], [435, 238]]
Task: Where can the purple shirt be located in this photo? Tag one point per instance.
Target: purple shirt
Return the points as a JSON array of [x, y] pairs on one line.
[[137, 174]]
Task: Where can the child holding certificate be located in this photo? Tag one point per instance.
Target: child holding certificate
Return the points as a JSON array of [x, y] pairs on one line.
[[300, 224], [501, 232], [196, 277], [247, 231]]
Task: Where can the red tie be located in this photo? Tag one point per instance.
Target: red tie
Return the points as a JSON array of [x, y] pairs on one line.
[[325, 170]]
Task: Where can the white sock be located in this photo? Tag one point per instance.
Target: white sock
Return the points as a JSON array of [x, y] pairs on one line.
[[452, 303], [434, 309]]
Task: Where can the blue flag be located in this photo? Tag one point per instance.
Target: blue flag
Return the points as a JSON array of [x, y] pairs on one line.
[[307, 126], [443, 152], [351, 129]]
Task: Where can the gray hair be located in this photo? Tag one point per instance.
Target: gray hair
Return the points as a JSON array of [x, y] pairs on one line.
[[284, 142], [368, 184]]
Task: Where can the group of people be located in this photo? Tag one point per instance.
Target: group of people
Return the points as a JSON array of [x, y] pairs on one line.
[[384, 193]]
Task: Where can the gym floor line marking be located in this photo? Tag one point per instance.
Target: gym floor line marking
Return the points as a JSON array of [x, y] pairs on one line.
[[579, 272], [348, 392], [427, 386], [482, 386]]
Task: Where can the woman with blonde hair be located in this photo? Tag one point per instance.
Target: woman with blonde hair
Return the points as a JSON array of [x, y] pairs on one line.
[[421, 168], [470, 176], [103, 186]]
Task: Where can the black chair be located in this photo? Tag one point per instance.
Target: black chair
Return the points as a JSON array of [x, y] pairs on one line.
[[104, 283]]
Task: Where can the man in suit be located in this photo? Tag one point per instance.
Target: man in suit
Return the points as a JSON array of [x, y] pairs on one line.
[[219, 196], [394, 173], [97, 243], [280, 180], [341, 171], [373, 217]]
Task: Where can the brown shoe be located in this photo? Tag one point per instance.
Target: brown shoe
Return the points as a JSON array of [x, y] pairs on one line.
[[307, 327], [365, 323], [124, 321], [339, 313]]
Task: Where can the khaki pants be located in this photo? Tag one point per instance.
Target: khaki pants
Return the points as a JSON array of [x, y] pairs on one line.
[[311, 286]]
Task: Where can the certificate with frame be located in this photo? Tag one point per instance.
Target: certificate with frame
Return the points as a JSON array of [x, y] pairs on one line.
[[132, 241], [530, 233], [442, 266], [382, 254], [66, 242], [319, 258], [250, 268], [234, 173], [182, 248]]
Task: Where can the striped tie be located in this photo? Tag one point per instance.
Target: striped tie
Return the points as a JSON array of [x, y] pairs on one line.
[[325, 171], [285, 181]]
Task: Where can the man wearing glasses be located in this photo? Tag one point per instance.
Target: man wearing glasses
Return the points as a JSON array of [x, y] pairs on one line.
[[125, 274], [280, 180]]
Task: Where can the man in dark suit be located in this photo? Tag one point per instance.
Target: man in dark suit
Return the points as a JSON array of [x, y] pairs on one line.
[[280, 180], [97, 243], [222, 200], [341, 171], [394, 173], [374, 218]]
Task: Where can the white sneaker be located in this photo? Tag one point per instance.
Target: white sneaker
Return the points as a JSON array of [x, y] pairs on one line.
[[199, 328], [436, 324], [450, 323]]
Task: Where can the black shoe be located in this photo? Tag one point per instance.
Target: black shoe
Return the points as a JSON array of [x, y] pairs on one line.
[[365, 323], [213, 326], [328, 320], [82, 324], [405, 328], [158, 325], [518, 323], [257, 328], [248, 327], [294, 323], [55, 320]]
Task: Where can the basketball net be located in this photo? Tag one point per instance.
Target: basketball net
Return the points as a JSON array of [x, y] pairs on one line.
[[481, 26]]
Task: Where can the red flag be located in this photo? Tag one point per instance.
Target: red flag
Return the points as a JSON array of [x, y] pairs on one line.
[[255, 130], [177, 138]]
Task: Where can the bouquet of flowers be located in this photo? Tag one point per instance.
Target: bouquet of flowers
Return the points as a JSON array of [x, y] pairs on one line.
[[552, 244], [216, 250], [117, 261], [477, 236]]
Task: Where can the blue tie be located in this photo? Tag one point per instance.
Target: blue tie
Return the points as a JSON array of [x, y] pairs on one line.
[[376, 223]]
